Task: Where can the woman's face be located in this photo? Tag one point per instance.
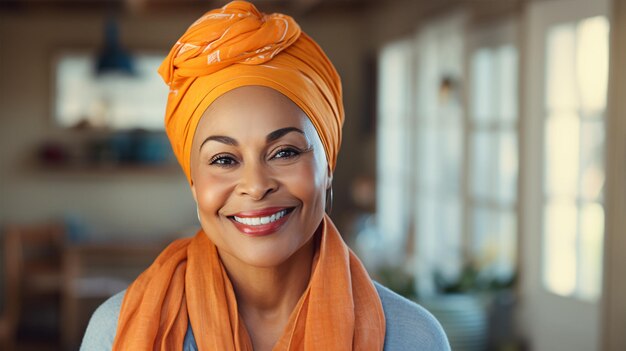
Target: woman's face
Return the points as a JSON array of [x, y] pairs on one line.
[[259, 176]]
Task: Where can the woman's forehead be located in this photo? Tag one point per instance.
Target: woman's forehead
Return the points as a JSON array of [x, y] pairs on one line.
[[252, 110]]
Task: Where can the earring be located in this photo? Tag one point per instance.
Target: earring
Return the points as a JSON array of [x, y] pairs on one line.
[[329, 200], [198, 212]]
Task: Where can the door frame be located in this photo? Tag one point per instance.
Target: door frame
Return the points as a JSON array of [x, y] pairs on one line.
[[614, 301]]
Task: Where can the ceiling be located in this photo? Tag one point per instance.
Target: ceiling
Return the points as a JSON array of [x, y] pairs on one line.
[[292, 7]]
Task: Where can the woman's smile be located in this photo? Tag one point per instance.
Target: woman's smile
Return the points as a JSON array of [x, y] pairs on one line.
[[261, 222]]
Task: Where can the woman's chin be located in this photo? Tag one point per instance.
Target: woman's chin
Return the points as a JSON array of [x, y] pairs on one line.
[[263, 258], [270, 254]]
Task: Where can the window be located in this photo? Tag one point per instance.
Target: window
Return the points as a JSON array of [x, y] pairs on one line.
[[393, 140], [113, 101], [575, 100], [438, 171], [493, 156], [420, 138], [448, 170]]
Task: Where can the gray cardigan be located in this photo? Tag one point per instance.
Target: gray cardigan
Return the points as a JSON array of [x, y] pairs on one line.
[[409, 326]]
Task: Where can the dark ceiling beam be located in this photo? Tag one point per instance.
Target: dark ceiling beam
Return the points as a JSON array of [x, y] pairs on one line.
[[296, 8], [301, 7]]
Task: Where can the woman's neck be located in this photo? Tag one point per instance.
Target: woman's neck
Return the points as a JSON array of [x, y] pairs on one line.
[[266, 296]]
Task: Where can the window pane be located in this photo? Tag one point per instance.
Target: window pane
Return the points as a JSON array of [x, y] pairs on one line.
[[391, 192], [592, 64], [562, 155], [393, 135], [592, 160], [450, 175], [427, 153], [483, 158], [507, 167], [507, 245], [111, 100], [592, 232], [426, 242], [140, 101], [482, 94], [449, 238], [507, 82], [494, 242], [427, 99], [393, 78], [427, 210], [71, 71], [559, 235], [561, 72], [390, 211], [483, 241]]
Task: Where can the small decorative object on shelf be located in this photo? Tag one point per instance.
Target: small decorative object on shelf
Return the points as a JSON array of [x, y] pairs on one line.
[[127, 151]]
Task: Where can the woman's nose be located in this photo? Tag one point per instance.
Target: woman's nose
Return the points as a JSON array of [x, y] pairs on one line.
[[256, 181]]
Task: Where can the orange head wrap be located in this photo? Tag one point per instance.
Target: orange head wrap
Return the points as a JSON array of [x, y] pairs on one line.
[[237, 46]]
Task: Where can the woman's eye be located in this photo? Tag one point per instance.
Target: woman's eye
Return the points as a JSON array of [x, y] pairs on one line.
[[286, 153], [223, 161]]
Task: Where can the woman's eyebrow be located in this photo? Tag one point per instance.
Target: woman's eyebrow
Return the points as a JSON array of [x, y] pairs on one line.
[[277, 134], [222, 139]]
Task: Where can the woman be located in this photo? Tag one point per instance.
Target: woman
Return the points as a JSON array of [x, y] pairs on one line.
[[254, 117]]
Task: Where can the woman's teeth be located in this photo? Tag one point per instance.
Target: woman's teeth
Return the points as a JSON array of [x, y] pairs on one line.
[[261, 220]]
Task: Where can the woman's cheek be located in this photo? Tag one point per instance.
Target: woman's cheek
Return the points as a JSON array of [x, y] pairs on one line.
[[305, 179], [213, 190]]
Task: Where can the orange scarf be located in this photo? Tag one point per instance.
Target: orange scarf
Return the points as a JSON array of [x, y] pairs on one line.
[[340, 309]]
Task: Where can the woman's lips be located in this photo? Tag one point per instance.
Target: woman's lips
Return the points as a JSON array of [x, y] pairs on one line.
[[260, 213], [261, 222]]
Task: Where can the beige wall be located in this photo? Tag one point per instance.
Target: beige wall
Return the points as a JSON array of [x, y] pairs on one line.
[[114, 203], [139, 204]]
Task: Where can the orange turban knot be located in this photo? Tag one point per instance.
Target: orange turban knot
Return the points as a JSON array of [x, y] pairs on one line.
[[238, 46]]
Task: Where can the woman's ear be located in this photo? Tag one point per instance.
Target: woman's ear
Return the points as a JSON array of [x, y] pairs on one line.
[[193, 192], [329, 178]]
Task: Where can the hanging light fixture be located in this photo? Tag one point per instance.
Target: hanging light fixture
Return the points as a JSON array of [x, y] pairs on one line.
[[113, 59]]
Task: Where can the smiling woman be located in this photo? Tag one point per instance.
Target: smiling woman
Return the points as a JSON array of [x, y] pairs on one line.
[[254, 116], [261, 157]]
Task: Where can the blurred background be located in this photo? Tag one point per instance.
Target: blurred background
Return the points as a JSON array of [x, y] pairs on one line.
[[481, 172]]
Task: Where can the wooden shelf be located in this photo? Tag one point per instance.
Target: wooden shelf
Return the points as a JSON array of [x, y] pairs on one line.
[[109, 170]]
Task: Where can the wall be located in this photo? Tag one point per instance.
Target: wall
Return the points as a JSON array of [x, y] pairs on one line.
[[141, 205], [115, 204]]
